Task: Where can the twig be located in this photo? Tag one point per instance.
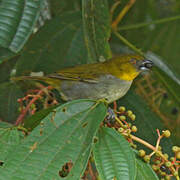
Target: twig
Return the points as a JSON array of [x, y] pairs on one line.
[[149, 146], [125, 41], [114, 6], [122, 13], [91, 171], [21, 116], [140, 25]]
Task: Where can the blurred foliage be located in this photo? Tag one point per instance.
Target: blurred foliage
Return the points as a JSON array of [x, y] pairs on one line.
[[9, 107], [6, 69]]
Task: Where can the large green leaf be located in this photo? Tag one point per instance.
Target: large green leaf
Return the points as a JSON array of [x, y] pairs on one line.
[[9, 138], [9, 94], [17, 19], [5, 125], [59, 43], [96, 26], [62, 6], [6, 69], [31, 122], [64, 136], [113, 155], [5, 54], [144, 171]]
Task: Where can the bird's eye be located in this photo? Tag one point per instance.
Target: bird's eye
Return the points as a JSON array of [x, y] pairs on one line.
[[133, 61]]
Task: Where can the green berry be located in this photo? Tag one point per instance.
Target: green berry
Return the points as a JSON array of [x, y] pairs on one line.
[[120, 129], [122, 108], [134, 129], [155, 168], [167, 177], [147, 158], [157, 161], [142, 153], [159, 148], [133, 117], [172, 159], [122, 118], [129, 113], [163, 173], [157, 154], [175, 173], [133, 146], [129, 124], [178, 155], [128, 131], [125, 126], [175, 148], [166, 133], [168, 164], [166, 156]]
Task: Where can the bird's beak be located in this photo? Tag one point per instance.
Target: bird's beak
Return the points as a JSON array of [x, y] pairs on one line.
[[146, 65]]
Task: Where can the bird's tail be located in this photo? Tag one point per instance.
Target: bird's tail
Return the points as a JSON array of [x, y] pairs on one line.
[[23, 78], [50, 81]]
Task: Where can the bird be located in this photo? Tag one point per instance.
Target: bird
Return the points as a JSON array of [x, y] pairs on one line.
[[109, 80]]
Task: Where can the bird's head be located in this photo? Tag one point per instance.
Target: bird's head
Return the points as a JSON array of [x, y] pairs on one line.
[[127, 67]]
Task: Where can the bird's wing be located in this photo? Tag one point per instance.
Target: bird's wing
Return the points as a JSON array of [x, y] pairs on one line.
[[74, 77], [85, 73]]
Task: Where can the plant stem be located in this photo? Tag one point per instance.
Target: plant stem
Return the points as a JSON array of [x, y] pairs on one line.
[[141, 141], [22, 115], [122, 13], [125, 41], [114, 6], [140, 25]]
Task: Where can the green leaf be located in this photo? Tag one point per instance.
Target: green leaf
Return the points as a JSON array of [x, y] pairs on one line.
[[9, 94], [97, 28], [113, 155], [59, 43], [5, 54], [5, 125], [64, 136], [9, 138], [6, 69], [63, 6], [31, 122], [17, 19], [144, 171]]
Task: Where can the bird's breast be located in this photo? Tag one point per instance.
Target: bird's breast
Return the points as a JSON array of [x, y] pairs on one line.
[[108, 87]]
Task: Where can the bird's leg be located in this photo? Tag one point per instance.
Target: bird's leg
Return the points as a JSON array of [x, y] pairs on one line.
[[111, 117]]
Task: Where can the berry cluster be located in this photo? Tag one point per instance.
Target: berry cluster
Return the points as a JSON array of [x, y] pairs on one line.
[[163, 165]]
